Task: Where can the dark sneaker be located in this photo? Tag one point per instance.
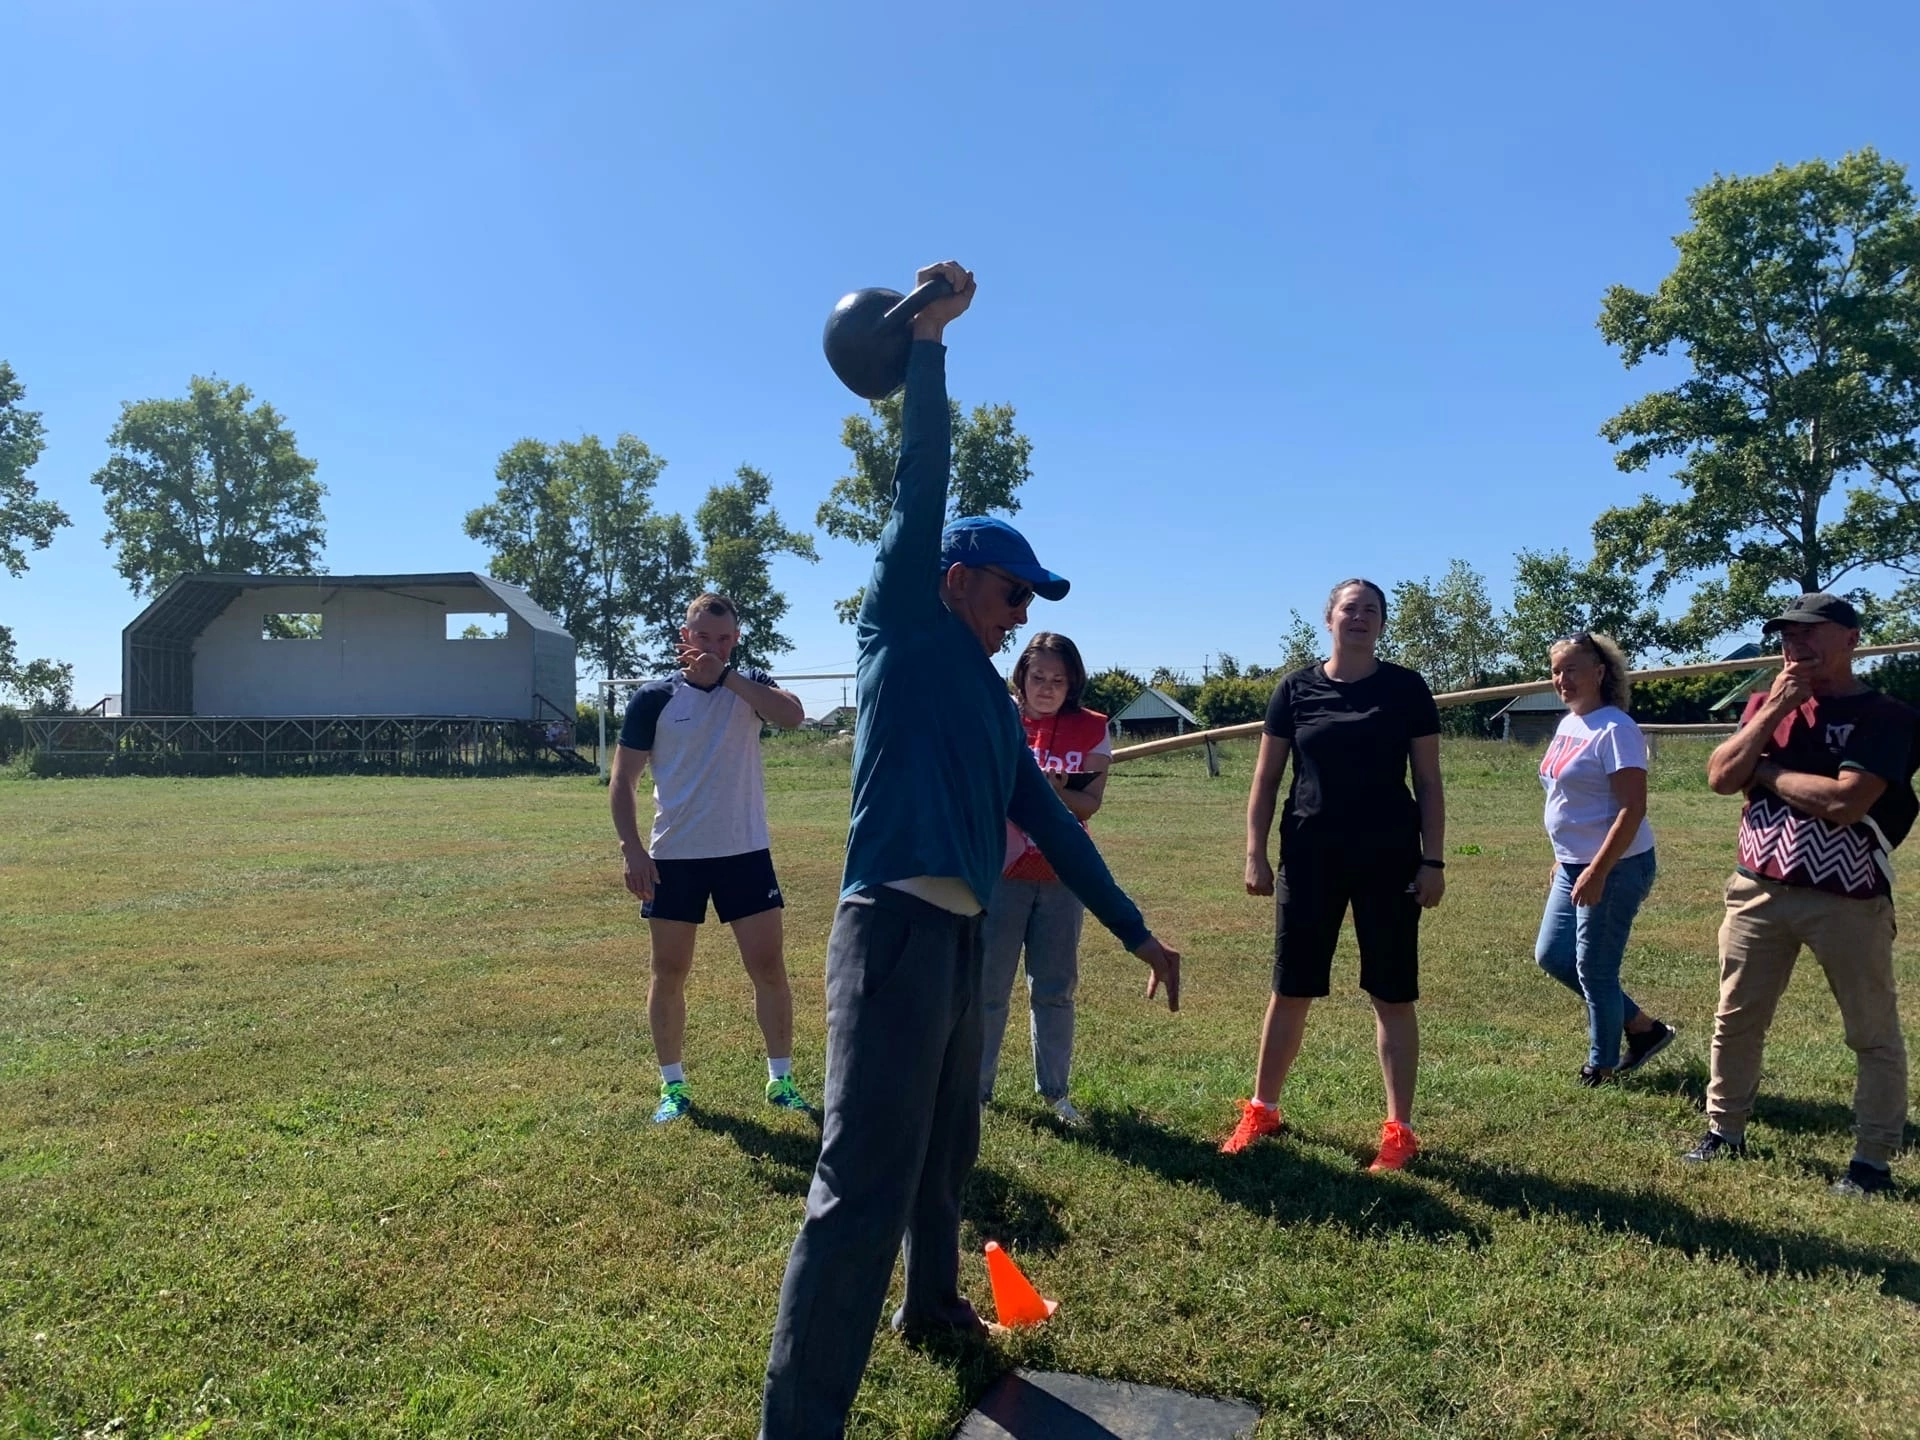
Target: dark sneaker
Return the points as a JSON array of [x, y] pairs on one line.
[[1863, 1181], [1594, 1076], [1644, 1046], [1715, 1146], [956, 1329]]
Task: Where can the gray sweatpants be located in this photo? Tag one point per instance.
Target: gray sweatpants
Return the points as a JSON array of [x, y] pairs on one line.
[[902, 1131], [1043, 917]]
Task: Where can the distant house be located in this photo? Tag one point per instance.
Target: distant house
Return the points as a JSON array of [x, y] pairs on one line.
[[839, 718], [1153, 713], [1530, 719]]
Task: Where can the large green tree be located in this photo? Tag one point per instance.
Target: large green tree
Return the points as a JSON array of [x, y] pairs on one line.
[[1449, 631], [206, 483], [1554, 597], [574, 525], [991, 461], [740, 533], [26, 523], [1795, 306]]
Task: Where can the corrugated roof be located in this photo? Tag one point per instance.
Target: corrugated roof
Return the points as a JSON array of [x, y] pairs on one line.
[[1154, 705], [184, 608], [1543, 703]]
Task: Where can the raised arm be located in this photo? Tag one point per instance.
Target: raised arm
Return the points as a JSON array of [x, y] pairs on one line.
[[781, 708], [905, 586], [1730, 767]]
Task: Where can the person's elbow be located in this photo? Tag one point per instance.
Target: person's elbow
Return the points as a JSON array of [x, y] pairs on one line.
[[1723, 778]]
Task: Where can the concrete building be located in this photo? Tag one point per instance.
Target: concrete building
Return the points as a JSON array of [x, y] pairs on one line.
[[459, 644]]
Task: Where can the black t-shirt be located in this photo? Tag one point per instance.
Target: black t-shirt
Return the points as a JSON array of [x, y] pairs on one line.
[[1351, 747], [1866, 731]]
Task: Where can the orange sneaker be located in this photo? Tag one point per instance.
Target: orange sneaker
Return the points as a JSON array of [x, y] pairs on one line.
[[1398, 1145], [1255, 1120]]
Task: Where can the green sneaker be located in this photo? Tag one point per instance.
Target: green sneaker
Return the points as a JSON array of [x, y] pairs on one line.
[[784, 1093], [674, 1101]]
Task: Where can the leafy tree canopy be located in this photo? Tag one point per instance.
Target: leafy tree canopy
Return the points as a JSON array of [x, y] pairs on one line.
[[740, 532], [1796, 306], [573, 524], [206, 484], [26, 522], [1553, 598], [990, 463]]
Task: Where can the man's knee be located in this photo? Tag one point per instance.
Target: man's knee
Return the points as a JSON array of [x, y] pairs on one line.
[[671, 970]]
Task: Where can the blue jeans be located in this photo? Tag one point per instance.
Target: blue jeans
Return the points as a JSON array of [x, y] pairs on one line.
[[1044, 918], [1581, 947]]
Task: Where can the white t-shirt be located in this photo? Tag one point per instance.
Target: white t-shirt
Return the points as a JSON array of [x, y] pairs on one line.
[[1577, 771], [708, 797]]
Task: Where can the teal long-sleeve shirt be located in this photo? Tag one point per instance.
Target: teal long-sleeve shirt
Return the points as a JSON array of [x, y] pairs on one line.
[[940, 763]]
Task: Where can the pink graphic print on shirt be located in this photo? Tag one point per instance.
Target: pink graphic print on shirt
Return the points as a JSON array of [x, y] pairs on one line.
[[1564, 750]]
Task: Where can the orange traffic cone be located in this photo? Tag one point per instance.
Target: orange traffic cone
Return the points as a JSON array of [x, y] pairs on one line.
[[1014, 1297]]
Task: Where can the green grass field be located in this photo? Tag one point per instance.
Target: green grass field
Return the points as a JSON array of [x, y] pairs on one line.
[[324, 1111]]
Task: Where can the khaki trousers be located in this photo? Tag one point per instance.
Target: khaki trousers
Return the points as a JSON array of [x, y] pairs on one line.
[[1765, 927]]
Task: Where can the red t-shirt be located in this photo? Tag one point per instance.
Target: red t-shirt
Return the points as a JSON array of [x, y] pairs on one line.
[[1061, 744]]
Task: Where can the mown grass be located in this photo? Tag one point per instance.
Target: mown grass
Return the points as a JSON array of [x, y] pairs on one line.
[[323, 1112]]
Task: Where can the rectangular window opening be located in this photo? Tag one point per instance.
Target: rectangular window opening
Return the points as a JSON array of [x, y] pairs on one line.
[[476, 625], [291, 625]]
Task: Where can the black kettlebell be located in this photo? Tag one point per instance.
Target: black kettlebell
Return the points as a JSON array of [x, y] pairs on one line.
[[870, 334]]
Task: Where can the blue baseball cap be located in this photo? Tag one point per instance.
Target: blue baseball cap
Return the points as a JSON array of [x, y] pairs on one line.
[[981, 540]]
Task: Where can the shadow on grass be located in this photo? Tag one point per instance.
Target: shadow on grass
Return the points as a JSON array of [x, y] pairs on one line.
[[999, 1207], [1663, 1220], [1789, 1114], [785, 1156], [1277, 1181]]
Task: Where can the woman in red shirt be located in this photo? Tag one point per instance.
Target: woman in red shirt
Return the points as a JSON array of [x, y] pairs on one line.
[[1031, 909]]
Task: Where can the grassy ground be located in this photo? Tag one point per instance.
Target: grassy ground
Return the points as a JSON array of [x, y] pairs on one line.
[[323, 1111]]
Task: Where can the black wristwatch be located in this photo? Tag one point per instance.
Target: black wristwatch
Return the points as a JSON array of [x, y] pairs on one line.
[[1433, 864], [725, 670]]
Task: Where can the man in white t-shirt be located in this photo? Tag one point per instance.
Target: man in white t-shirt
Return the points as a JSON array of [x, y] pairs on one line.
[[700, 730]]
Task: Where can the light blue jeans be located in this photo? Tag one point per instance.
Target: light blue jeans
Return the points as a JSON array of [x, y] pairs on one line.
[[1581, 947], [1044, 918]]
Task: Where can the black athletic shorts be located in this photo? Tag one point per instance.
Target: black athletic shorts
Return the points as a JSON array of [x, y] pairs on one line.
[[740, 885], [1312, 892]]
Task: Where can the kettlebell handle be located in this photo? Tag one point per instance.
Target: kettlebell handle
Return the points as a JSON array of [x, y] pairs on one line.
[[909, 306]]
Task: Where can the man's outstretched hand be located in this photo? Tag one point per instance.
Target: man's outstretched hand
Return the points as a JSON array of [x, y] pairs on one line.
[[932, 321], [1165, 964]]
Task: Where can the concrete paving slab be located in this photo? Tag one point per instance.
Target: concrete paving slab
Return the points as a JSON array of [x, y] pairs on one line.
[[1039, 1405]]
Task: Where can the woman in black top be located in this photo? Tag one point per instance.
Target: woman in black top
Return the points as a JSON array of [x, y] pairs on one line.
[[1351, 834]]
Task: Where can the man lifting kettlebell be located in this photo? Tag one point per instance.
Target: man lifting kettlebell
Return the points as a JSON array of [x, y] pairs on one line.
[[940, 765]]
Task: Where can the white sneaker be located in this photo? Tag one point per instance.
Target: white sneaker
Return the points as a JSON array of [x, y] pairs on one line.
[[1063, 1108]]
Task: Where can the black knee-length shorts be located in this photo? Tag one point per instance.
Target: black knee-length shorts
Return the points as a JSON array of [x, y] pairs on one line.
[[1312, 893]]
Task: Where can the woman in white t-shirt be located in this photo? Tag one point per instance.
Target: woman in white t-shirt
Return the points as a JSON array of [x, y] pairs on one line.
[[1595, 773]]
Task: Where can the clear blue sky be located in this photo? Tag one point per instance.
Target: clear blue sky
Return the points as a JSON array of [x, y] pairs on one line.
[[1282, 293]]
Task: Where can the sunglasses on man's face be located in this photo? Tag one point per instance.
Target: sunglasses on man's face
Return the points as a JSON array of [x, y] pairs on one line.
[[1018, 591]]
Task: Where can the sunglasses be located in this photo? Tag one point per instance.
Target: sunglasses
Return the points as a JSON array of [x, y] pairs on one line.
[[1018, 591]]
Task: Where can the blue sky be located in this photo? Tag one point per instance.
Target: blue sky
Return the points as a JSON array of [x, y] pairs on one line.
[[1282, 293]]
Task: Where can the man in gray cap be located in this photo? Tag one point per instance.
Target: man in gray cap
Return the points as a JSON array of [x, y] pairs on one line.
[[940, 764], [1827, 767]]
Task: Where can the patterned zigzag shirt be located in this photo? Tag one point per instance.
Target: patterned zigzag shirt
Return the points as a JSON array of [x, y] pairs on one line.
[[1865, 731]]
